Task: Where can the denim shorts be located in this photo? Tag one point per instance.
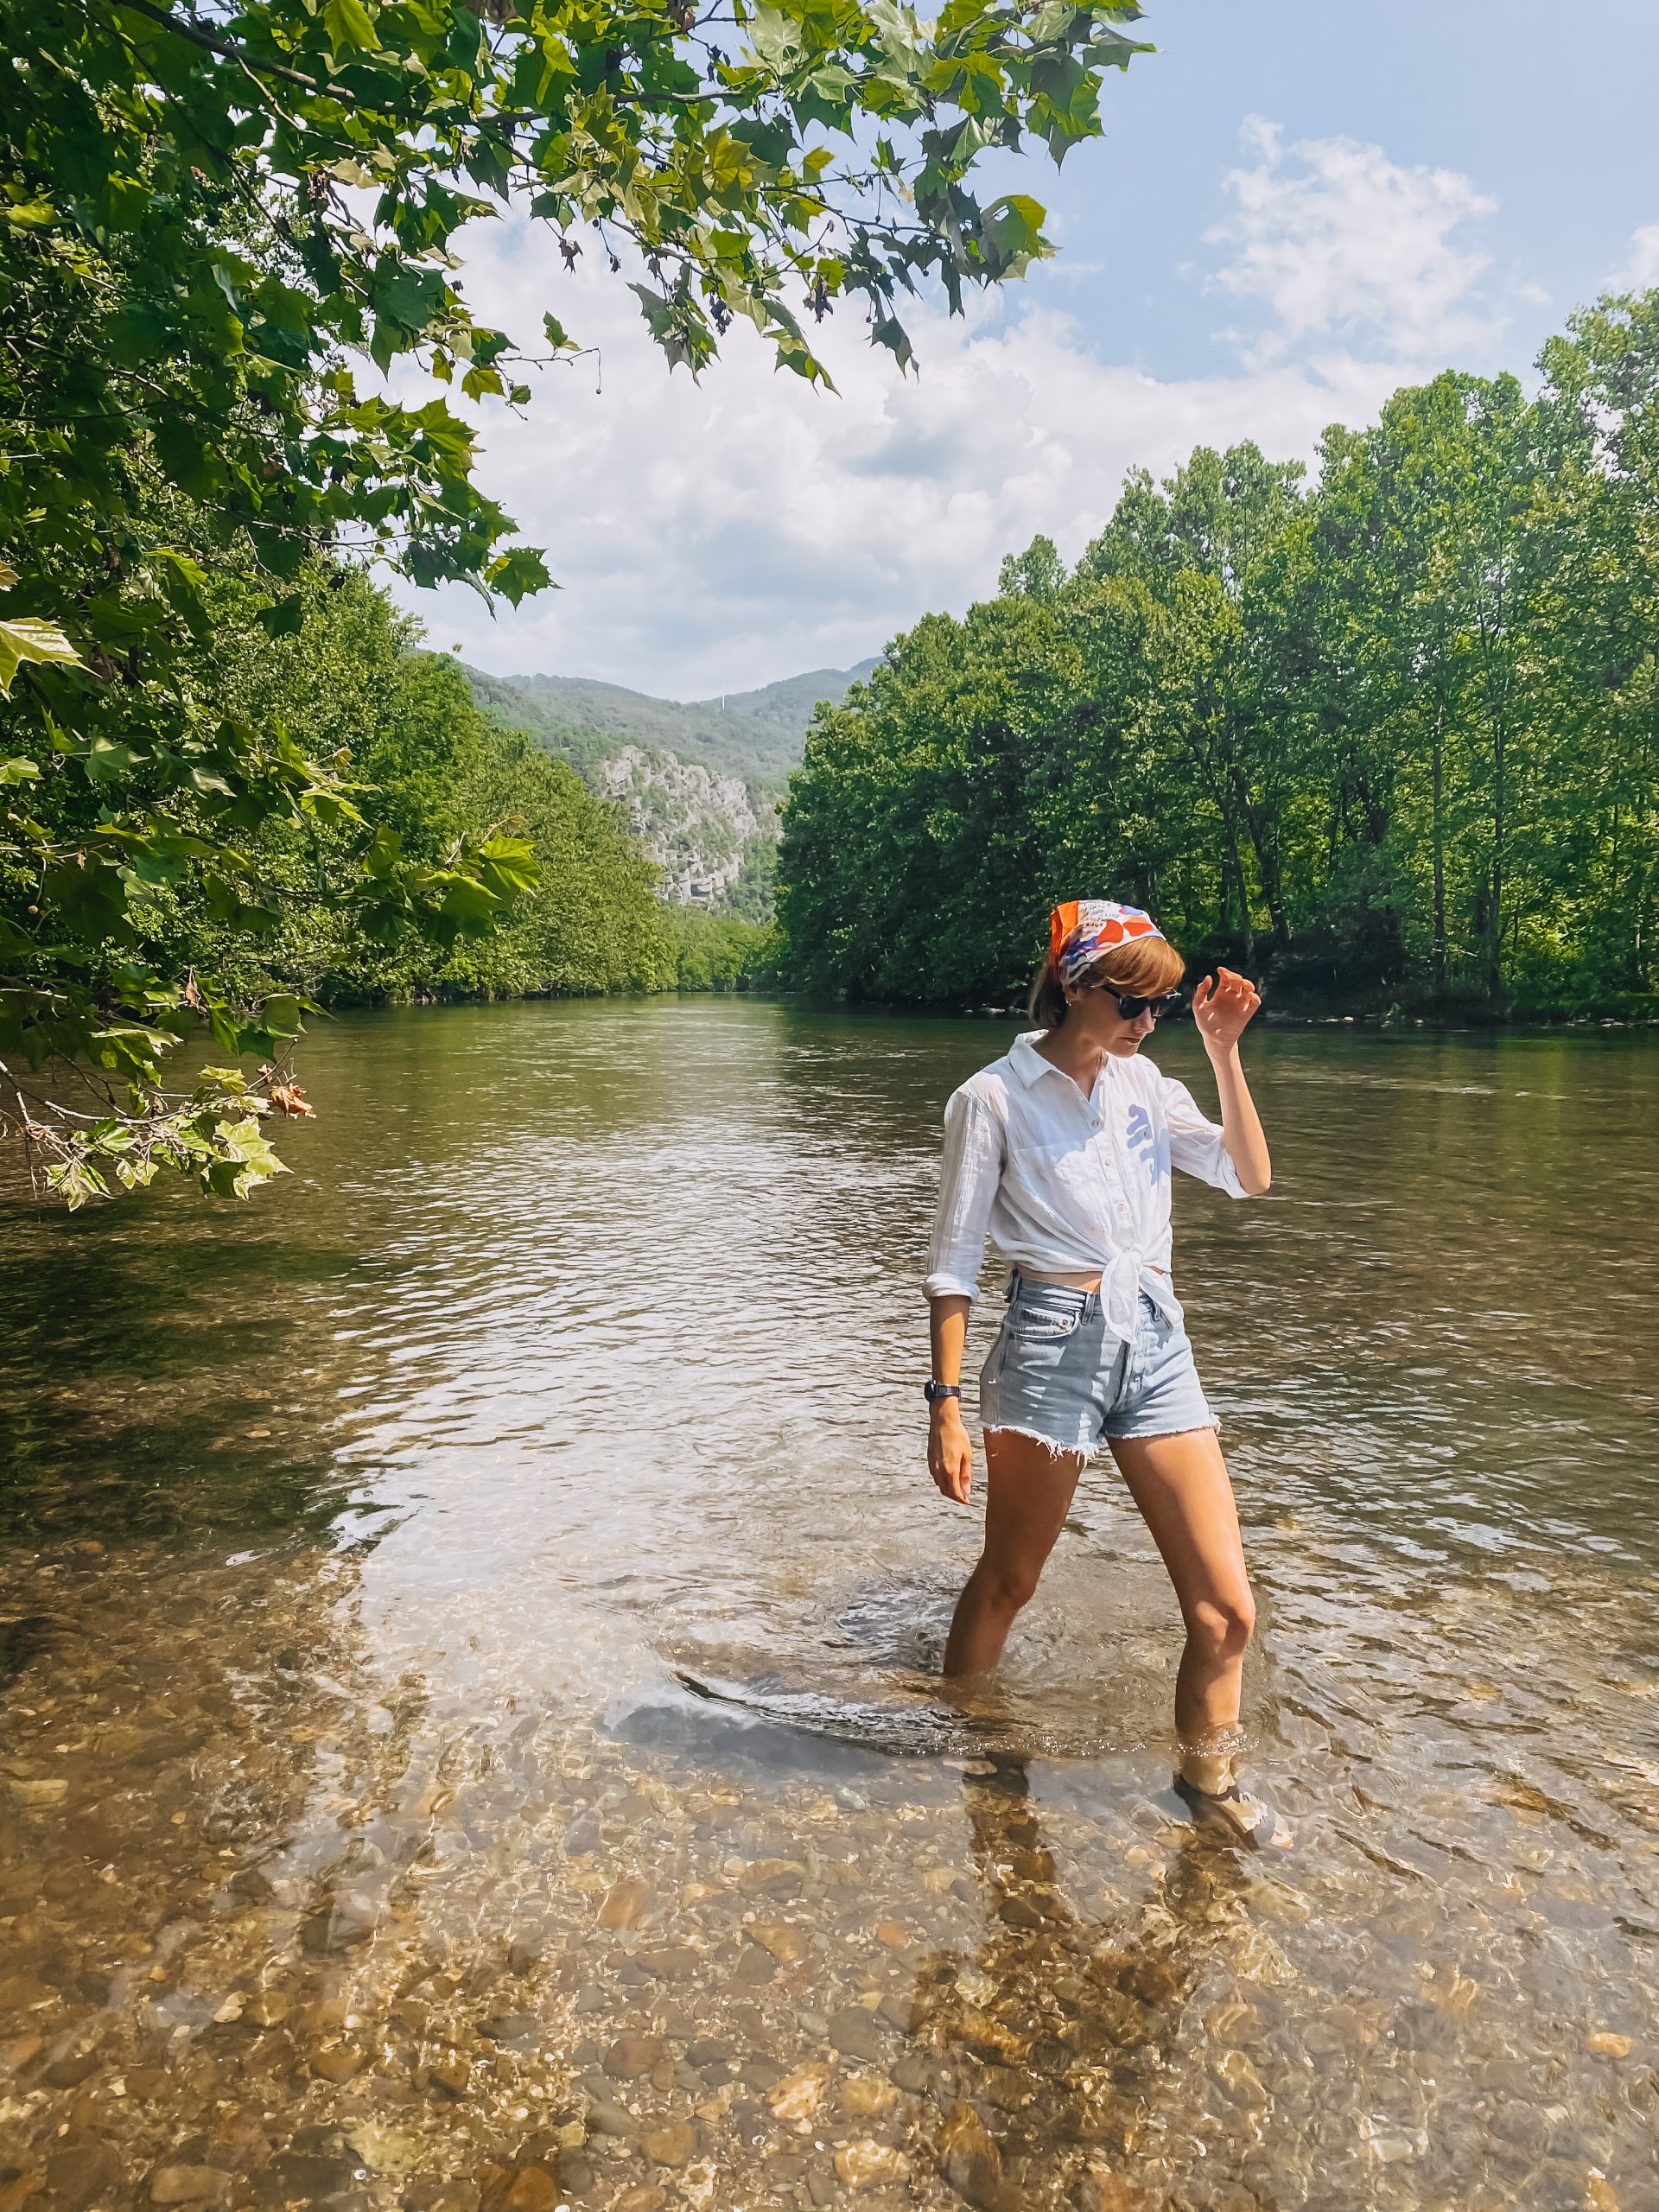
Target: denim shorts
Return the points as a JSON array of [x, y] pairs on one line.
[[1055, 1373]]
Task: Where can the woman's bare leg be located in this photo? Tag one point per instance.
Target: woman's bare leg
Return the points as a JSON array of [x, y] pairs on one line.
[[1028, 1491], [1180, 1484]]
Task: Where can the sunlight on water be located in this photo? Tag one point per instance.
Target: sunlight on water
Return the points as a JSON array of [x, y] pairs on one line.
[[470, 1625]]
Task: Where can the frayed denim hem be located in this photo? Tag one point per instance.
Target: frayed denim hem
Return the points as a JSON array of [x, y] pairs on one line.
[[1151, 1435], [1087, 1452], [1055, 1450]]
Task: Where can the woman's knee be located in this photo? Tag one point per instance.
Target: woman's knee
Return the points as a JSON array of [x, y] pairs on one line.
[[1009, 1585], [1220, 1627]]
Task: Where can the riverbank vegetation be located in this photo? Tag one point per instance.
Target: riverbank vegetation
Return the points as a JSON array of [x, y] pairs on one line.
[[220, 235], [1390, 737]]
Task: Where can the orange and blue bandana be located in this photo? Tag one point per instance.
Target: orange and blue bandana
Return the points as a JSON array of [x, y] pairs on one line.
[[1082, 928]]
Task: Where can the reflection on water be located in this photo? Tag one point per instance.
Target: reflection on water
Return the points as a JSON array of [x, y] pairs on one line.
[[468, 1628]]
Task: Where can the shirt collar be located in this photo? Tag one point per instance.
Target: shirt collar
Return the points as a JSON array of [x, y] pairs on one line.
[[1027, 1061]]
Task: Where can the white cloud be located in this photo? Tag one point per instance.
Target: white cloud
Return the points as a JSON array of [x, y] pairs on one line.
[[1642, 269], [719, 535], [1338, 243]]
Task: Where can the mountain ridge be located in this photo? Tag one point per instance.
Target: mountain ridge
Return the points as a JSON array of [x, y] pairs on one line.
[[758, 735], [698, 781]]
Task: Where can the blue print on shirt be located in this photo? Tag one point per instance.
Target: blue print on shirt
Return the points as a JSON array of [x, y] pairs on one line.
[[1153, 1146]]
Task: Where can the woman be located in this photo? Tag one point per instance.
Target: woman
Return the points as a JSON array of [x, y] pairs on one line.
[[1061, 1153]]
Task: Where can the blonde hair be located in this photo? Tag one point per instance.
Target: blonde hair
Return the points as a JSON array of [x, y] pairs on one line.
[[1147, 966]]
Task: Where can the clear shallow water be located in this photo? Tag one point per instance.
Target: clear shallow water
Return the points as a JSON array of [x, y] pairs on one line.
[[363, 1839]]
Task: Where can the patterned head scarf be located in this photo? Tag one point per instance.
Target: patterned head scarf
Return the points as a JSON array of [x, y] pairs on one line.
[[1082, 928]]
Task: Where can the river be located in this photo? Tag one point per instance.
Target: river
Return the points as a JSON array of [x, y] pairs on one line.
[[369, 1835]]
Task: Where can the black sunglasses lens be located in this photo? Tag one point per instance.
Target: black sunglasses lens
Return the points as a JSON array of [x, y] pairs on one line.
[[1132, 1008]]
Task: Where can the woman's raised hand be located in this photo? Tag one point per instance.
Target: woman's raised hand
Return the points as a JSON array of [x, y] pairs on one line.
[[1221, 1006]]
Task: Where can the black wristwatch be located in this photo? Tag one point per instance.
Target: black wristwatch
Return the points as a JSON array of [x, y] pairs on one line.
[[936, 1393]]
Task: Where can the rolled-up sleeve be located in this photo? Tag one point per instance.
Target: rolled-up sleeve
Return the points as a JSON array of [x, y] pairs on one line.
[[1196, 1144], [967, 1181]]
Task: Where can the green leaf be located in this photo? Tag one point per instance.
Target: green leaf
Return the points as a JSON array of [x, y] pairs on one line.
[[283, 618], [518, 573], [509, 864], [19, 770], [349, 24], [31, 640]]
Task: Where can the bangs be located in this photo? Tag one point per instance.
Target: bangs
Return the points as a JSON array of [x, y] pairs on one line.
[[1147, 966]]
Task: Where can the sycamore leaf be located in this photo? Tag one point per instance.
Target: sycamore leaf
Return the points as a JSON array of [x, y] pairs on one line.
[[349, 24], [293, 1101], [31, 640], [285, 618]]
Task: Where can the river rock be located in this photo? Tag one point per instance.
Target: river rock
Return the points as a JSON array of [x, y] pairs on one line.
[[532, 2189], [1239, 2078], [188, 2184], [869, 2164], [630, 2057], [1605, 2044], [673, 1962], [672, 2145], [82, 2167], [777, 1878], [797, 2095], [337, 2062], [912, 2073], [969, 2160], [853, 2033], [526, 1950], [450, 2074], [69, 2073], [1102, 2190], [1233, 2024], [866, 2096], [645, 2197], [316, 2167], [606, 2119], [781, 1937], [1008, 2088], [623, 1903], [34, 1794]]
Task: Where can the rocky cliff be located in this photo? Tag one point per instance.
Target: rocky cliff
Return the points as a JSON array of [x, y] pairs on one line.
[[695, 824]]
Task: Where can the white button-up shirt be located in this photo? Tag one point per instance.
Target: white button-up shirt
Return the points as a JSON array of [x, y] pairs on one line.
[[1065, 1185]]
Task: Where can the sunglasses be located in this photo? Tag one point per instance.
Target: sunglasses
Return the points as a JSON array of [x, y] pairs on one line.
[[1132, 1008]]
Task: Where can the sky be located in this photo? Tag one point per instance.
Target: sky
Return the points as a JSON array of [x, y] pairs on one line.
[[1298, 207]]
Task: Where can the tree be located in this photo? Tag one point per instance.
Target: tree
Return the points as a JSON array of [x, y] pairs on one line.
[[1395, 737], [210, 214]]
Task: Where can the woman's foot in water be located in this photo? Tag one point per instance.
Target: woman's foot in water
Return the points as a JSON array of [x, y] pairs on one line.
[[1224, 1810]]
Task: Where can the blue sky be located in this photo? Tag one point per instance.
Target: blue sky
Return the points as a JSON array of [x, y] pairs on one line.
[[1551, 112], [1297, 208]]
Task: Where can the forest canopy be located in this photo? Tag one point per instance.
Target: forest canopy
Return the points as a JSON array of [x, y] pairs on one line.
[[1390, 736]]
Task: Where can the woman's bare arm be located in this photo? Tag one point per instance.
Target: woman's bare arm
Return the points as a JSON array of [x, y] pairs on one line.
[[1221, 1006], [949, 1452]]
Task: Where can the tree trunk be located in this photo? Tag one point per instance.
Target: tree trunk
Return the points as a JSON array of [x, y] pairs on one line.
[[1438, 757], [1494, 962]]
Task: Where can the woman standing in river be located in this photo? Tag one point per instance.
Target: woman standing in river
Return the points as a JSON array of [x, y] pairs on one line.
[[1060, 1153]]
